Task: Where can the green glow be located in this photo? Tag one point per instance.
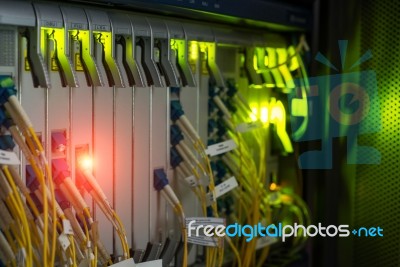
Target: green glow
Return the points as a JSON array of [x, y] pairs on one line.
[[277, 113], [299, 107], [272, 63], [242, 59], [260, 60], [59, 58], [105, 38], [58, 36], [264, 115], [255, 86], [255, 63], [266, 61], [193, 51], [283, 68], [294, 63], [209, 49], [88, 62], [179, 45], [278, 117], [254, 113], [260, 65], [6, 82]]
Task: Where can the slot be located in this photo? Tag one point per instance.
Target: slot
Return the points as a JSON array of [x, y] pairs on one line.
[[59, 143]]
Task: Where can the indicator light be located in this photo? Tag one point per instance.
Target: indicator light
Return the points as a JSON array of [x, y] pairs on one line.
[[85, 162]]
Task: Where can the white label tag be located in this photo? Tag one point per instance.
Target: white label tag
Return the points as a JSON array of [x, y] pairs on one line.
[[191, 180], [67, 228], [156, 263], [207, 241], [125, 263], [225, 187], [205, 221], [248, 126], [8, 158], [220, 148], [64, 241], [265, 241]]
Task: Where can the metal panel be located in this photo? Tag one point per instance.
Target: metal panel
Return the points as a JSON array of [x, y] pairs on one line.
[[81, 109], [19, 13], [123, 138], [32, 99], [142, 183], [103, 132], [377, 186], [126, 129], [267, 13]]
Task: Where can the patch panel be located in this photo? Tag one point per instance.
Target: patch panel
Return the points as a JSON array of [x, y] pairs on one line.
[[123, 107]]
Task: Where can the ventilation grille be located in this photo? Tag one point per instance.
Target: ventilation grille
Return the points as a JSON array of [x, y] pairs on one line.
[[377, 196], [7, 48]]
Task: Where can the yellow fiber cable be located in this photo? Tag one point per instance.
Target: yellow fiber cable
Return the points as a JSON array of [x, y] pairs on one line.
[[73, 256], [22, 212], [52, 195]]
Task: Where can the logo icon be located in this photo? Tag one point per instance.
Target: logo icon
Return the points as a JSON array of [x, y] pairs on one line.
[[338, 105]]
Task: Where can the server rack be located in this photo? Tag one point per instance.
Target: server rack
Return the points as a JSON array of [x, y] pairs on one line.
[[98, 81]]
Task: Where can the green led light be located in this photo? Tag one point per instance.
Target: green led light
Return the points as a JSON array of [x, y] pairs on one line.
[[193, 51], [273, 62], [283, 68], [294, 62], [255, 63], [84, 38], [264, 114]]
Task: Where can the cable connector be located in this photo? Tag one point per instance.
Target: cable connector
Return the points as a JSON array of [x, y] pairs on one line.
[[6, 122], [31, 180], [176, 135], [60, 170], [178, 116], [161, 184], [212, 127], [175, 158], [6, 142], [213, 110], [176, 110], [82, 182], [175, 90], [221, 169], [213, 91], [222, 130], [7, 88], [62, 200], [3, 116], [231, 107], [6, 82], [232, 90], [160, 179]]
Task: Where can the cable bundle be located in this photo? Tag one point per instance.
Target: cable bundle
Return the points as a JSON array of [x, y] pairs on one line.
[[46, 222]]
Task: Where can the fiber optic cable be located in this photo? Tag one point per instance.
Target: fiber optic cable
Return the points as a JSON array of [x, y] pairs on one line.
[[105, 206], [161, 185], [23, 217], [19, 116], [18, 214]]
